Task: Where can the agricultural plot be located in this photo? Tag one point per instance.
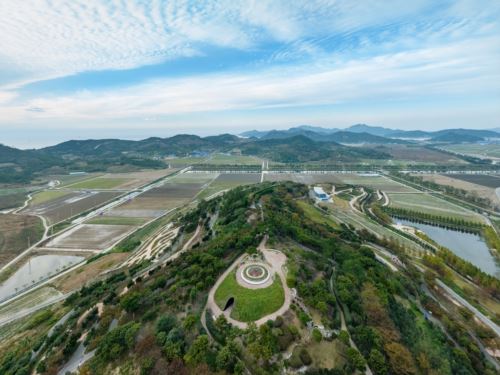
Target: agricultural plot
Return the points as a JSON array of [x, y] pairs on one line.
[[430, 204], [370, 181], [90, 237], [121, 181], [47, 196], [100, 183], [17, 232], [13, 197], [233, 159], [419, 155], [492, 150], [116, 220], [450, 180], [68, 179], [69, 205], [479, 179], [176, 192], [229, 181]]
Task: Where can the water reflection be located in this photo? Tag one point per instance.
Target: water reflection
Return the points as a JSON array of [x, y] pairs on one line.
[[467, 246], [37, 269]]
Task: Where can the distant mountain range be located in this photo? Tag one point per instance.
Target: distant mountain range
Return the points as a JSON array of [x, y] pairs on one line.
[[299, 144], [362, 133]]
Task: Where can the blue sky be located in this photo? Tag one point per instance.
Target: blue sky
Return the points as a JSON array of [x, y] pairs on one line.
[[133, 69]]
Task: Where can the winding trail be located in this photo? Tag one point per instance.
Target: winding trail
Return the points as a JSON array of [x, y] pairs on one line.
[[277, 260]]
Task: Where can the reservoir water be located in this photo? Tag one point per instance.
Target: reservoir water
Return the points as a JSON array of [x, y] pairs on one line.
[[468, 246], [37, 269]]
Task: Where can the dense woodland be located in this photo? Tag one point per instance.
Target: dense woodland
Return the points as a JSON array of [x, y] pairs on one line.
[[153, 326]]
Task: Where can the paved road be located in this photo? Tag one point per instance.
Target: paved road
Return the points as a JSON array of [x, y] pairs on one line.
[[476, 312], [26, 312]]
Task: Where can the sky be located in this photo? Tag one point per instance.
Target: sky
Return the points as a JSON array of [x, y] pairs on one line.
[[72, 69]]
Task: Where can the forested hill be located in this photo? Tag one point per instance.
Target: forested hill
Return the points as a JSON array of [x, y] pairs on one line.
[[98, 155], [151, 324]]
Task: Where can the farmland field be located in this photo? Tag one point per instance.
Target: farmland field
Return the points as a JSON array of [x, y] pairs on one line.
[[479, 179], [450, 180], [90, 236], [431, 204], [233, 159], [374, 182], [492, 150], [116, 220], [47, 195], [13, 197], [69, 205], [99, 183], [175, 192], [228, 181], [419, 155], [16, 232]]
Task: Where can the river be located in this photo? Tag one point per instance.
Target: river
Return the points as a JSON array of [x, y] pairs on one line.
[[468, 246], [38, 268]]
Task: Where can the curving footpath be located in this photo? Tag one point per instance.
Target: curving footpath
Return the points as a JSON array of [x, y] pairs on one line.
[[277, 260]]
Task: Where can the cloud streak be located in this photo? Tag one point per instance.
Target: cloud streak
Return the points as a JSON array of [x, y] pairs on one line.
[[316, 54], [405, 76]]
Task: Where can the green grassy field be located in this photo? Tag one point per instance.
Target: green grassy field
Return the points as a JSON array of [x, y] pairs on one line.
[[314, 214], [116, 220], [47, 195], [233, 159], [99, 183], [375, 182], [250, 304], [475, 149], [430, 204], [228, 181], [193, 178]]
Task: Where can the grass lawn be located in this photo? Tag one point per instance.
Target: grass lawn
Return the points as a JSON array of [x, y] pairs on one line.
[[99, 183], [116, 220], [476, 149], [234, 159], [47, 195], [250, 304], [315, 214], [430, 204]]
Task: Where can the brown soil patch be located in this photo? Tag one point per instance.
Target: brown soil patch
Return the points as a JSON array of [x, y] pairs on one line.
[[82, 275], [16, 232]]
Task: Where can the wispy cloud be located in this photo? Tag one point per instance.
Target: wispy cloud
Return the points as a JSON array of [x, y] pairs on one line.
[[317, 53], [425, 73]]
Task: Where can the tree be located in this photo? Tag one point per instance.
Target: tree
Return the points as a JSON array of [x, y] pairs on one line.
[[226, 358], [355, 360], [400, 359], [344, 337], [316, 335], [377, 363], [198, 351], [131, 301]]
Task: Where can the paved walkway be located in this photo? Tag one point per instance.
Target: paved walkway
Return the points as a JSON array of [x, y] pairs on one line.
[[277, 261]]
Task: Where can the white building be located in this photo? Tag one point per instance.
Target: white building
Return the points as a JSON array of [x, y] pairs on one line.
[[320, 194]]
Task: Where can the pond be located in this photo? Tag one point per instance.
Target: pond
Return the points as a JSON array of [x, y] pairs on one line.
[[37, 269], [468, 246]]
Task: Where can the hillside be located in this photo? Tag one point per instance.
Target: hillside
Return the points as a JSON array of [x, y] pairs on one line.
[[300, 148], [153, 320]]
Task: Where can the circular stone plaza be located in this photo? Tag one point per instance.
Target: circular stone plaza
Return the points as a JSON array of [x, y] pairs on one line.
[[254, 275], [252, 289]]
